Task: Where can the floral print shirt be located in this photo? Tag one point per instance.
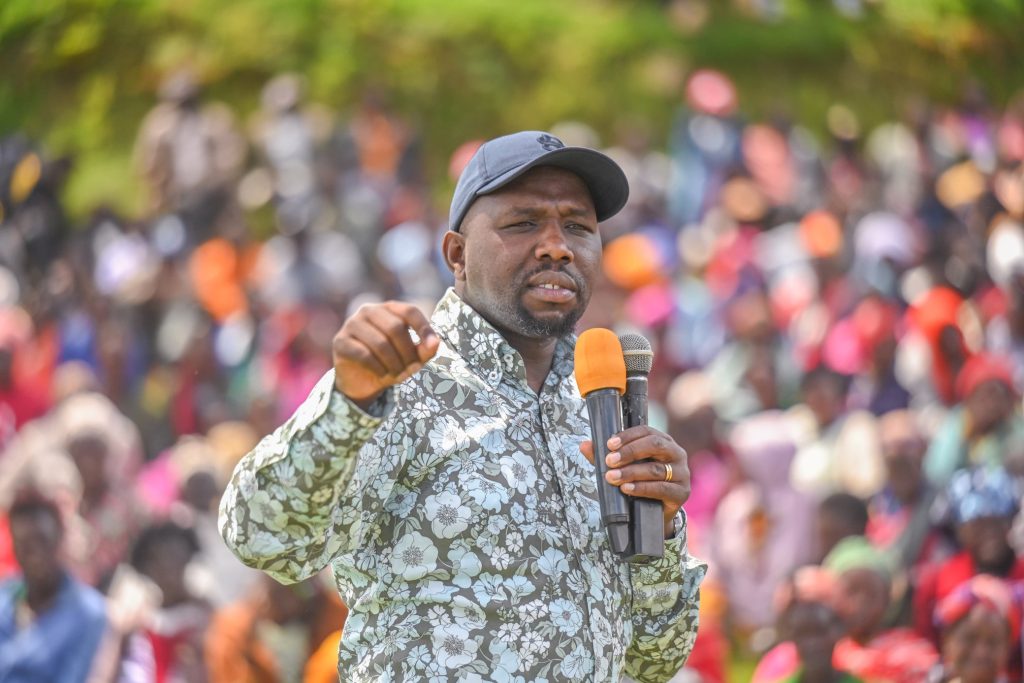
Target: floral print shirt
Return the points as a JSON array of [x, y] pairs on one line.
[[462, 526]]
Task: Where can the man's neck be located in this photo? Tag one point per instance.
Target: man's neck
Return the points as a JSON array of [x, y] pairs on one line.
[[537, 355], [41, 596]]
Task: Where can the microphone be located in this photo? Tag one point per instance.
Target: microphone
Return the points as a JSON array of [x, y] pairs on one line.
[[601, 376], [647, 521]]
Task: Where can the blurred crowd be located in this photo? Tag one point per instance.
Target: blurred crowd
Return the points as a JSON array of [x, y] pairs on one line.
[[837, 318]]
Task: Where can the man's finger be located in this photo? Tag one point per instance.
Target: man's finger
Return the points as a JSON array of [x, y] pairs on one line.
[[378, 344], [397, 332], [361, 354], [629, 435], [414, 319], [656, 446], [670, 493], [641, 471]]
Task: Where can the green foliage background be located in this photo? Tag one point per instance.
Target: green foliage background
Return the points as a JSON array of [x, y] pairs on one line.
[[80, 74]]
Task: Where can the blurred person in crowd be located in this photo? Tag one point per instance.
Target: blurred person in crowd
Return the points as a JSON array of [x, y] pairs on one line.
[[936, 317], [20, 401], [763, 527], [978, 431], [693, 422], [754, 371], [900, 520], [810, 629], [199, 468], [863, 598], [982, 504], [270, 635], [877, 389], [838, 451], [84, 454], [108, 514], [190, 156], [166, 645], [289, 135], [979, 624], [31, 211], [200, 393], [50, 624], [860, 596], [376, 160], [704, 144], [1005, 332], [840, 515]]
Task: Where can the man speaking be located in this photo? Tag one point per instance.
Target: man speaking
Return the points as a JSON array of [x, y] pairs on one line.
[[444, 473]]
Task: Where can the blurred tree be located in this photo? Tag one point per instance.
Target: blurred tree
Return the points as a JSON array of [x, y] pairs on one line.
[[80, 74]]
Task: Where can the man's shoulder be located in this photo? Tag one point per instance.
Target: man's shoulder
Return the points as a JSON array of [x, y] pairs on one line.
[[85, 599]]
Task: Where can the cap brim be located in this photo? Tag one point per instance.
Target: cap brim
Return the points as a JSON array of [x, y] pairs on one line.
[[606, 182]]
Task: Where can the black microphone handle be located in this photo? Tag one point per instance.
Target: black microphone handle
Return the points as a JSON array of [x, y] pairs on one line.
[[647, 521], [605, 410]]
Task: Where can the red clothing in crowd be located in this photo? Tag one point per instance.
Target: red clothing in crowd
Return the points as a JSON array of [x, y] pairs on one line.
[[940, 580]]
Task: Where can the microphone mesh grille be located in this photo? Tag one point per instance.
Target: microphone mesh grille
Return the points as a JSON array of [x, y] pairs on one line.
[[637, 352]]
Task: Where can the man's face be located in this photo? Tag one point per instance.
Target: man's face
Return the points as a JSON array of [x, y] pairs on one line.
[[989, 404], [986, 539], [977, 647], [862, 599], [36, 541], [903, 450], [527, 256]]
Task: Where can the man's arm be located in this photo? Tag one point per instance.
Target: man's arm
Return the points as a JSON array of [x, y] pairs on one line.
[[666, 597], [313, 488], [288, 508]]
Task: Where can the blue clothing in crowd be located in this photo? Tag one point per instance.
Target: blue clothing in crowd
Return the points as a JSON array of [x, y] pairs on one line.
[[59, 645]]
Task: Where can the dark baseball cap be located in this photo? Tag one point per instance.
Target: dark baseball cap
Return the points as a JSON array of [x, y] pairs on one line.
[[501, 160]]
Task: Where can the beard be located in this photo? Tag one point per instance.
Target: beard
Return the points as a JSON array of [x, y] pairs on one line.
[[522, 321]]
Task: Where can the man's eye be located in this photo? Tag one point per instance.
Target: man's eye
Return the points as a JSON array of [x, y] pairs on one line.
[[578, 227]]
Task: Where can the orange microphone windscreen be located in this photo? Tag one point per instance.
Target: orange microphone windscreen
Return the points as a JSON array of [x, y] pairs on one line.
[[599, 361]]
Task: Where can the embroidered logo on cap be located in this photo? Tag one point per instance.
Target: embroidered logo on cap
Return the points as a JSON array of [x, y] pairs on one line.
[[550, 142]]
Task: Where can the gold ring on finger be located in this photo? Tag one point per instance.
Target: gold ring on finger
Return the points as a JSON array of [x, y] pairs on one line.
[[668, 472]]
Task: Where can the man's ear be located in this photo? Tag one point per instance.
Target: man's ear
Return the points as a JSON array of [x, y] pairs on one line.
[[453, 245]]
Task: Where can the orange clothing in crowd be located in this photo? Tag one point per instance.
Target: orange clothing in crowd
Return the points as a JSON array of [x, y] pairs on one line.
[[322, 667], [234, 653]]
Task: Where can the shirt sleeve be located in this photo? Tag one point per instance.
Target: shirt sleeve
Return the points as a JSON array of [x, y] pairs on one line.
[[299, 499], [666, 595]]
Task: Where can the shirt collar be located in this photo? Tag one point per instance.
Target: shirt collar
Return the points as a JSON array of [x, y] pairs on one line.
[[483, 348]]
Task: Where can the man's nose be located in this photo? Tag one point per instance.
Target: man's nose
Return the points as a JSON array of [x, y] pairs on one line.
[[552, 245]]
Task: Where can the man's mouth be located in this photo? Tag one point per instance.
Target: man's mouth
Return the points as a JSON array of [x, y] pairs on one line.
[[552, 287]]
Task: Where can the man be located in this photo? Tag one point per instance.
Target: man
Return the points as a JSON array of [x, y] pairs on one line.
[[899, 515], [50, 624], [446, 478], [838, 449]]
